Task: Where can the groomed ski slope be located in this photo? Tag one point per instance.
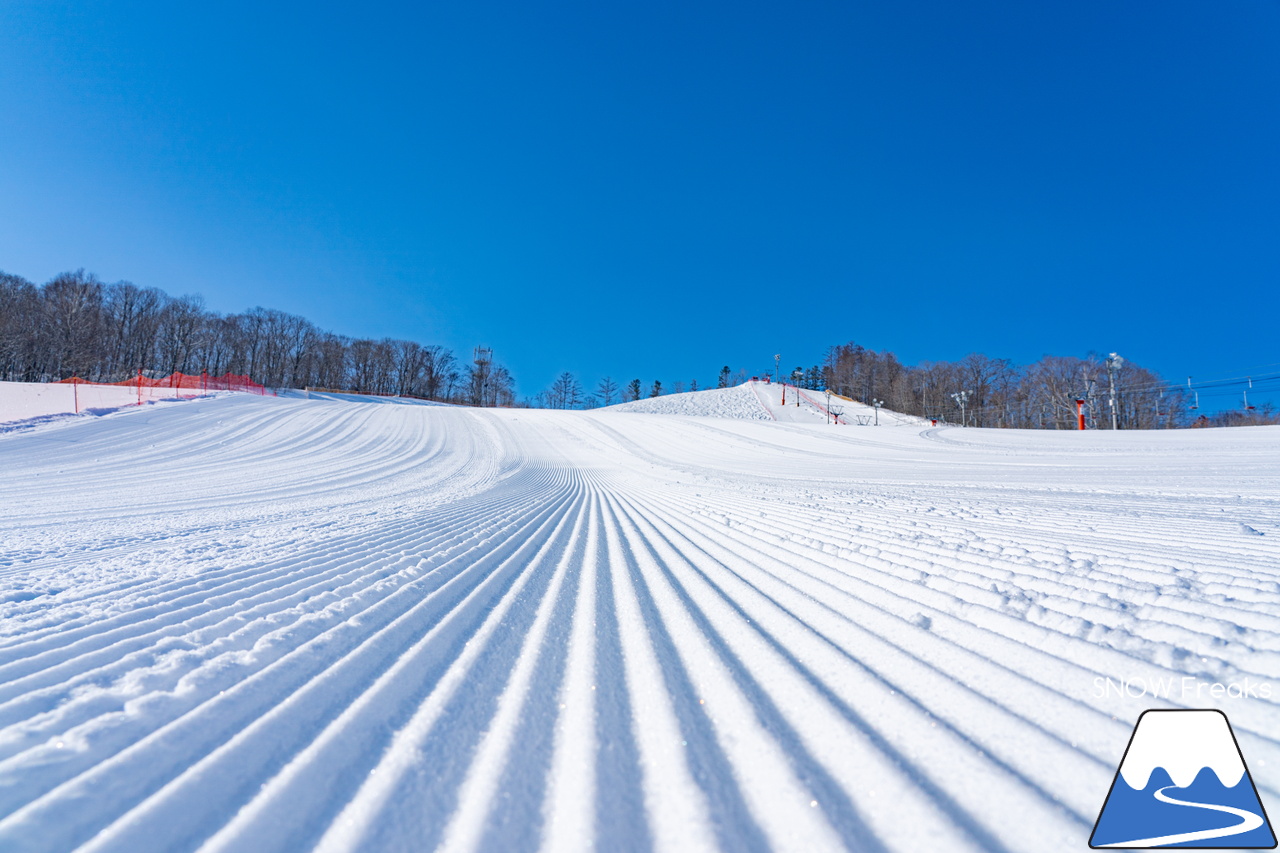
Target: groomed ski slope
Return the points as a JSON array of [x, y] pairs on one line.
[[261, 624]]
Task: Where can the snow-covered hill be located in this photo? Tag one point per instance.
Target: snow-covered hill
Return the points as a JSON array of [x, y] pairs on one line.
[[286, 624], [738, 403], [762, 401]]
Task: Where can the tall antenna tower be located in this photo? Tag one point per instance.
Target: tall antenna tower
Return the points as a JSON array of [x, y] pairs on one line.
[[483, 357]]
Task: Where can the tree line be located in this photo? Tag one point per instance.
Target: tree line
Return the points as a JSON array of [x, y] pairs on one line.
[[977, 390], [76, 325], [982, 391]]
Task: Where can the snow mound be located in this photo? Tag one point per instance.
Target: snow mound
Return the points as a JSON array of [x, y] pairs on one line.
[[738, 403]]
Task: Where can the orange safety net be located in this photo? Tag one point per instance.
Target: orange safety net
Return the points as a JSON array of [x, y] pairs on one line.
[[188, 381]]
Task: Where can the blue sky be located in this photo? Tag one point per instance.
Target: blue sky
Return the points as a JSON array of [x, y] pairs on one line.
[[656, 189]]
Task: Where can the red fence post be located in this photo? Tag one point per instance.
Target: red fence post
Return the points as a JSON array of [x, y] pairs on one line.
[[139, 386]]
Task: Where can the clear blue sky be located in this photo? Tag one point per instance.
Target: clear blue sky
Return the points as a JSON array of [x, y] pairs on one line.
[[656, 189]]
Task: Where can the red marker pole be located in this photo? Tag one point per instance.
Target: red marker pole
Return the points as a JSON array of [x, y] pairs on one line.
[[139, 386], [1080, 413]]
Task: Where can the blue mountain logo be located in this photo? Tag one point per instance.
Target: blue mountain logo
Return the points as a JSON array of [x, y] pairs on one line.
[[1183, 783]]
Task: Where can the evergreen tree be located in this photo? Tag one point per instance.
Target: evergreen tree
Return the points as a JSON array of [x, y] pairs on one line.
[[656, 390], [633, 390], [813, 378], [724, 377]]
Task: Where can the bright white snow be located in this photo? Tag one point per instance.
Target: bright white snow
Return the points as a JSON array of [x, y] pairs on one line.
[[262, 624], [28, 401], [738, 402]]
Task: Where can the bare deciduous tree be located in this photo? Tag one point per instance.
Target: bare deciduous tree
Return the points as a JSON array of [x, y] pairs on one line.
[[607, 391], [565, 392]]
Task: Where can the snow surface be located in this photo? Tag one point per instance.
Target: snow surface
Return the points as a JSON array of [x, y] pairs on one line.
[[29, 401], [763, 401], [271, 624], [738, 402]]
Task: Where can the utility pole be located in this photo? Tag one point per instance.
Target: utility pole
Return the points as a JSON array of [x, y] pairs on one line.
[[960, 397], [828, 407], [1114, 363], [1092, 399]]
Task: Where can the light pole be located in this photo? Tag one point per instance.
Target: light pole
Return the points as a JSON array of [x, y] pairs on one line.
[[1113, 367], [777, 376], [877, 404], [828, 407], [960, 397]]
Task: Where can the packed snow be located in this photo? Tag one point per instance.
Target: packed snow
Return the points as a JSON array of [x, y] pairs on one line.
[[738, 402], [269, 624], [26, 402], [764, 401]]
